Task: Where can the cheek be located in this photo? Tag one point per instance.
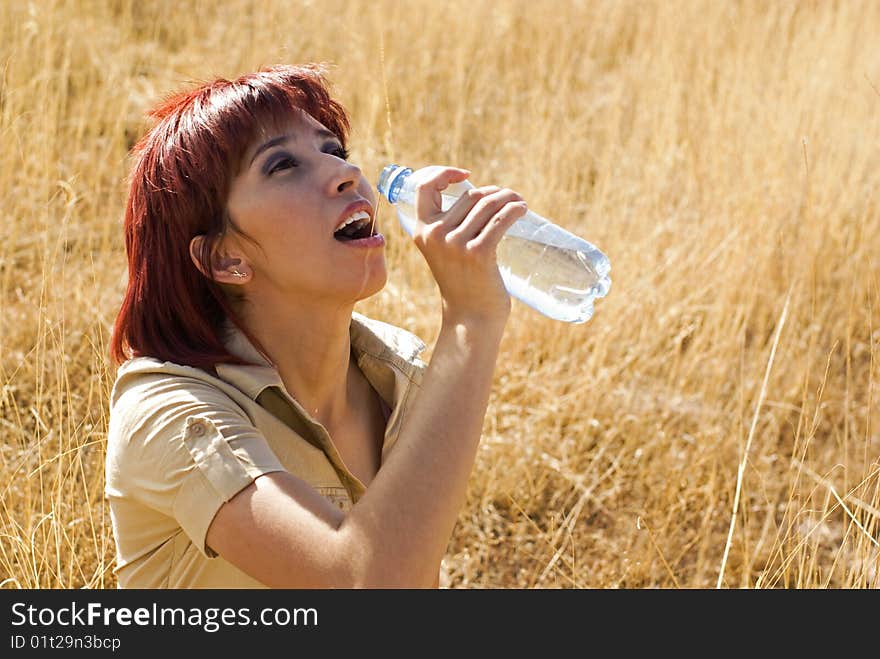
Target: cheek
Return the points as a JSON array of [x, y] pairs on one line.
[[242, 203], [274, 221], [366, 190]]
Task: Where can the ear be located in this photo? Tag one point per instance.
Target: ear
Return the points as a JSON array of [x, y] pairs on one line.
[[226, 268]]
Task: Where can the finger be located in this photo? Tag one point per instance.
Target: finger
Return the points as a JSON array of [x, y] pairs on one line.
[[464, 206], [482, 212], [497, 226], [432, 180]]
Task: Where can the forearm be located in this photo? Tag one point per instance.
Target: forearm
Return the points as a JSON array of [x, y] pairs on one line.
[[402, 524]]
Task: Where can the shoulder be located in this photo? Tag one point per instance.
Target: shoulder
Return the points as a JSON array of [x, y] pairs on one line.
[[386, 341], [179, 445], [152, 401], [145, 381], [140, 370], [173, 427]]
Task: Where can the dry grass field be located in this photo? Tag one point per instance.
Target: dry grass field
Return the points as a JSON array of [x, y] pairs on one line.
[[716, 424]]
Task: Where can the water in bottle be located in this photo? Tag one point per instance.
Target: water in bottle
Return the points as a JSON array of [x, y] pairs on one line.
[[543, 265]]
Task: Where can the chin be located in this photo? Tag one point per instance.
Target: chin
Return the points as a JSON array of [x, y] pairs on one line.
[[375, 283], [371, 280]]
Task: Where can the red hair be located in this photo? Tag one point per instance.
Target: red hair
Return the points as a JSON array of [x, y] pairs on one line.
[[180, 180]]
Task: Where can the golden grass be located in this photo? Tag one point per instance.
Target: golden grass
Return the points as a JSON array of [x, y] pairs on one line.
[[715, 424]]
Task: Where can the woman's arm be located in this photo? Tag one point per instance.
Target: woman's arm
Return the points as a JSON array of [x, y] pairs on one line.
[[284, 534]]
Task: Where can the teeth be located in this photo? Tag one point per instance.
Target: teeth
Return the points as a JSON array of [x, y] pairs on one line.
[[360, 215]]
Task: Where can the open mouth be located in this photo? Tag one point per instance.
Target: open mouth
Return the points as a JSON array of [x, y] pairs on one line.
[[356, 227]]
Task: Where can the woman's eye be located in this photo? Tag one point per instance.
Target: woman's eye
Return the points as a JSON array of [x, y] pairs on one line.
[[341, 152], [280, 165]]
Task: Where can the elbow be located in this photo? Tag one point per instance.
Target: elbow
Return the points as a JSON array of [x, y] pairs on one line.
[[381, 565], [351, 560], [395, 579]]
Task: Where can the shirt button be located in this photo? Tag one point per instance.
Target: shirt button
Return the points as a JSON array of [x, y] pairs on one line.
[[198, 428]]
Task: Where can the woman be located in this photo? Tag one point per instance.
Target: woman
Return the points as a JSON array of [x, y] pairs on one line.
[[262, 433]]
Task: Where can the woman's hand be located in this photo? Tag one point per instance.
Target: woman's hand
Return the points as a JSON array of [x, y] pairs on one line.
[[460, 244]]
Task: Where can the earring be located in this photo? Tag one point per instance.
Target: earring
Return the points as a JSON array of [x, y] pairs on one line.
[[236, 273]]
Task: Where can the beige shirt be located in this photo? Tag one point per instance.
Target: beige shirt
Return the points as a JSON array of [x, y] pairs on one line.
[[182, 442]]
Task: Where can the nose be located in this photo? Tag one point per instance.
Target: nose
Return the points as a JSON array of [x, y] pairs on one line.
[[345, 176]]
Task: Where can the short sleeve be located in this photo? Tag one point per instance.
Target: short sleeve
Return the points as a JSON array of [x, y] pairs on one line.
[[182, 448]]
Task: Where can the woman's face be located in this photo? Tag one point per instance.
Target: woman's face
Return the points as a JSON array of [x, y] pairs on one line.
[[295, 189]]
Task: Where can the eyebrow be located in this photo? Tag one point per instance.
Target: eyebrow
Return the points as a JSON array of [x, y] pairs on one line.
[[280, 139]]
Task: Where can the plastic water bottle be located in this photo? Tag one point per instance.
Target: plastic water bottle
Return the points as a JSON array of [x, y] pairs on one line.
[[543, 265]]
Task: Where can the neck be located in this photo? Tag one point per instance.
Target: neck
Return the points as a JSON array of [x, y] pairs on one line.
[[311, 348]]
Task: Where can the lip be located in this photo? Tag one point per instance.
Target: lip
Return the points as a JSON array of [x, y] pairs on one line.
[[374, 241], [354, 207]]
